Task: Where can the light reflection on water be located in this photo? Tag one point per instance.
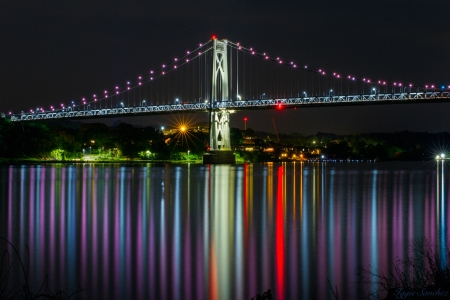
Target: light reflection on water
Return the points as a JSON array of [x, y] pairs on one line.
[[219, 232]]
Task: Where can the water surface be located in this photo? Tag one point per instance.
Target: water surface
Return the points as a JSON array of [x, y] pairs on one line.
[[218, 232]]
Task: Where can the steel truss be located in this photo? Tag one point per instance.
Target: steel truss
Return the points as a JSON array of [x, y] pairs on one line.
[[236, 105]]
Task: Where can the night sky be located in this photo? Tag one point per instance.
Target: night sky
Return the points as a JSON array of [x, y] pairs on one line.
[[56, 51]]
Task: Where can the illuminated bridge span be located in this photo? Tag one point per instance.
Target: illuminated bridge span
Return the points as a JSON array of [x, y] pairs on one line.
[[220, 77], [239, 105]]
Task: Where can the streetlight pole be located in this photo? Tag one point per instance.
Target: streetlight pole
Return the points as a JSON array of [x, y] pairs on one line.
[[188, 154]]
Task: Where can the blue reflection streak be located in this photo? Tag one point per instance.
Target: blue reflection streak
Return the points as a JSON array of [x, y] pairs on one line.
[[71, 229], [306, 245], [374, 231], [331, 229], [239, 235]]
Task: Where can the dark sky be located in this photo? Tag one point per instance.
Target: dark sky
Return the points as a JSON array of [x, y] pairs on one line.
[[54, 51]]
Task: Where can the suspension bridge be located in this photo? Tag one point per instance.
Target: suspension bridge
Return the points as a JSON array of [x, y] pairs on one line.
[[220, 77]]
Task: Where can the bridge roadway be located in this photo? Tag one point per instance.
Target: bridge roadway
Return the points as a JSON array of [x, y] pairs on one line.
[[399, 98]]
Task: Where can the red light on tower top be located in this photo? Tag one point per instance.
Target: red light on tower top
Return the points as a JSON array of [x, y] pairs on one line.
[[213, 37]]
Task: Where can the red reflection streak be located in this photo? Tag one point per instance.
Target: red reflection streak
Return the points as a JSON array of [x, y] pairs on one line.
[[279, 238], [214, 284]]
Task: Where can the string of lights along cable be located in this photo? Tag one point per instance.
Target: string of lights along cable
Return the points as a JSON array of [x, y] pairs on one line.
[[256, 80]]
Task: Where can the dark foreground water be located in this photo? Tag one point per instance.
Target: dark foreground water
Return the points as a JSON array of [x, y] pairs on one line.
[[217, 232]]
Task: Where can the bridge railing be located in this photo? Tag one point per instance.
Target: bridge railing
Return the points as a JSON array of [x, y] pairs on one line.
[[235, 105]]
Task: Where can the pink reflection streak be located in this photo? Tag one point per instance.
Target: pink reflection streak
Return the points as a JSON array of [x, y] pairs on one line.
[[105, 233], [52, 222], [42, 214], [322, 259], [10, 204], [62, 226], [279, 239], [117, 241], [32, 198], [128, 237], [94, 235], [83, 258], [139, 245]]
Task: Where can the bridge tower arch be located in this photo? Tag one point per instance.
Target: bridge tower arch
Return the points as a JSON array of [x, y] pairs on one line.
[[219, 123]]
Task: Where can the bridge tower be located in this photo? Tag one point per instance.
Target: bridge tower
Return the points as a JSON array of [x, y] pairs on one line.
[[219, 124]]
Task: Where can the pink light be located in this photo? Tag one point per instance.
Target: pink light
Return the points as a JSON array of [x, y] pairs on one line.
[[320, 70], [306, 67], [278, 58], [267, 57], [264, 53], [239, 47], [348, 77], [395, 83], [128, 82], [84, 99], [449, 86], [426, 86], [410, 85], [281, 61], [384, 82], [94, 96], [364, 79], [117, 92], [253, 52], [339, 76], [379, 81], [323, 73], [238, 44], [151, 72], [163, 73], [292, 62], [187, 59], [399, 84], [174, 67], [151, 78], [106, 92], [139, 77], [251, 49], [295, 66], [432, 86], [164, 66], [368, 80], [9, 112], [128, 87], [201, 45], [117, 87], [188, 52], [139, 83], [62, 105], [334, 74], [176, 59]]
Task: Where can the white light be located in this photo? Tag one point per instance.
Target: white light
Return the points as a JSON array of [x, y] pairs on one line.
[[442, 155]]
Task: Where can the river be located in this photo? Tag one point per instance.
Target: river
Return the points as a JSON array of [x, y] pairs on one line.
[[188, 231]]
